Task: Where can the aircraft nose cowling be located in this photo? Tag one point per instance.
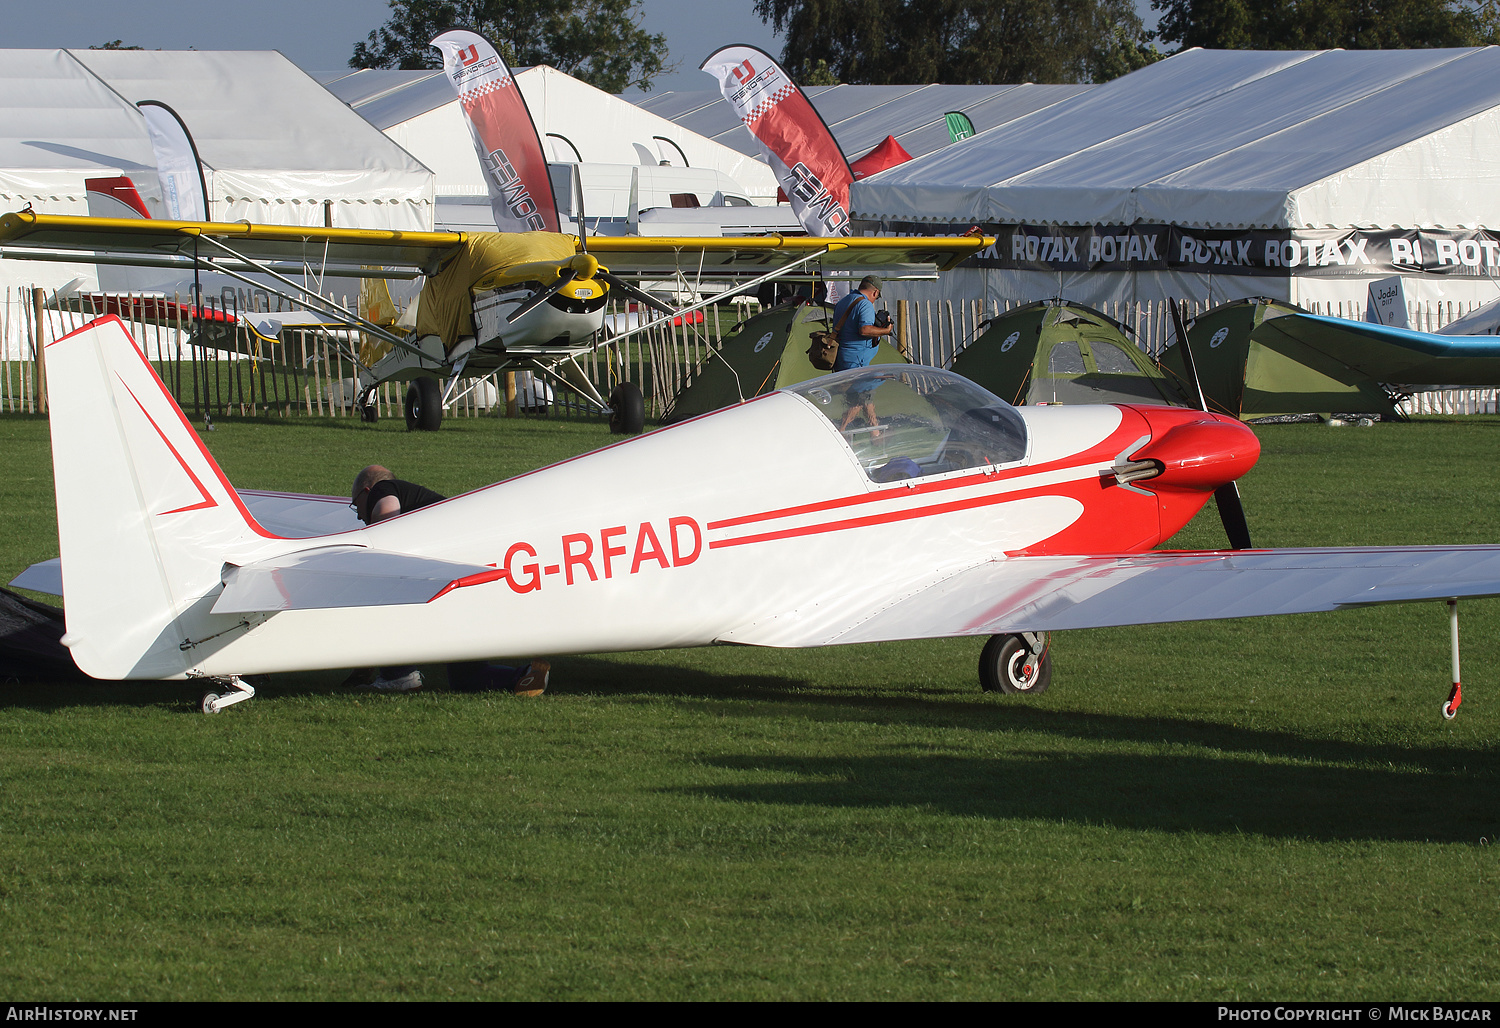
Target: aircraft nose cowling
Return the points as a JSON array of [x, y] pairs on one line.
[[1196, 450]]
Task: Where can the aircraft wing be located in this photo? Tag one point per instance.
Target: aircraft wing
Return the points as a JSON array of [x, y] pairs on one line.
[[1387, 354], [1044, 594], [341, 576], [338, 251], [890, 256]]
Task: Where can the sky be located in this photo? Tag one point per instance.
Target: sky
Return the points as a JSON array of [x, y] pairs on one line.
[[319, 35]]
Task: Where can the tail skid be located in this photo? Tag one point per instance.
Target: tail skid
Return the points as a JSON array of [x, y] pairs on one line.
[[144, 515]]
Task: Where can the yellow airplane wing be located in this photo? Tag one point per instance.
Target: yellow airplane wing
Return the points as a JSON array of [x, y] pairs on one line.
[[55, 236], [759, 254], [62, 237]]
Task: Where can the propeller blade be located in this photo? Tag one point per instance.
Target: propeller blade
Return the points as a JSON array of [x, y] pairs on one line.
[[1179, 327], [541, 296], [1227, 496], [635, 293], [1232, 514], [583, 230]]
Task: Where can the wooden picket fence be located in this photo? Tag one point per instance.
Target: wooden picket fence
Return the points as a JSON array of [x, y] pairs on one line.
[[308, 374]]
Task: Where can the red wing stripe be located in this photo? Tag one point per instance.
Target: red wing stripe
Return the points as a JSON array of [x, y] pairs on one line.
[[479, 578]]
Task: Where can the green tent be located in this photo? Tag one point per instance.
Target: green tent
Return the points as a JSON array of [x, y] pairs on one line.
[[760, 355], [1245, 379], [1055, 351]]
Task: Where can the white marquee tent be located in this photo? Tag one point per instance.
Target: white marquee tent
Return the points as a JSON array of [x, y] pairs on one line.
[[276, 147], [577, 122], [861, 116], [1221, 145]]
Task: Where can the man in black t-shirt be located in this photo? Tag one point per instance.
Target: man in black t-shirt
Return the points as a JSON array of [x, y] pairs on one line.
[[378, 494]]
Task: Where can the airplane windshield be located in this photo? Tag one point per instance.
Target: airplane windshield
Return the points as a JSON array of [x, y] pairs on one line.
[[909, 421]]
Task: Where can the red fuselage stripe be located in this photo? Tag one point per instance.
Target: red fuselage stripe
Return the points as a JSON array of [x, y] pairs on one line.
[[891, 517], [1106, 449]]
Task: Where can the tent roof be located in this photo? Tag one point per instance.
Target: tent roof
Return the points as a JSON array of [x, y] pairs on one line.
[[387, 98], [861, 116], [887, 154], [59, 125], [1205, 137], [252, 110], [420, 110]]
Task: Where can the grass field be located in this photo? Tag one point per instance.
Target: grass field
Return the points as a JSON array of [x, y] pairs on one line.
[[1258, 809]]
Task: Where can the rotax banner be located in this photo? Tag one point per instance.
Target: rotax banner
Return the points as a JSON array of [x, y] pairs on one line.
[[1273, 252]]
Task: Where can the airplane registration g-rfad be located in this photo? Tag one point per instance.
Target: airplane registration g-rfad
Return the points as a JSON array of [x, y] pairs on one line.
[[789, 520]]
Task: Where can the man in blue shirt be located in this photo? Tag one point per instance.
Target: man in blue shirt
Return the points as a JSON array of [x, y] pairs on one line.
[[859, 336]]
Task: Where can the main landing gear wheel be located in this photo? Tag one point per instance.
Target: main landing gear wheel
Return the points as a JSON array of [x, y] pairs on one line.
[[366, 405], [239, 690], [1007, 664], [627, 409], [424, 405]]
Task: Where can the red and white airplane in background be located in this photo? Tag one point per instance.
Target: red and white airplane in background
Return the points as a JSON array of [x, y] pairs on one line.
[[789, 520]]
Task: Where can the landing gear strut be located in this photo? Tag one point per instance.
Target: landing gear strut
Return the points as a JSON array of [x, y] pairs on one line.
[[1456, 694], [213, 702], [1016, 663]]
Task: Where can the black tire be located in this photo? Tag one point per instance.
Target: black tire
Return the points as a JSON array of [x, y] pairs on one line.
[[627, 409], [1001, 663], [424, 405], [368, 413]]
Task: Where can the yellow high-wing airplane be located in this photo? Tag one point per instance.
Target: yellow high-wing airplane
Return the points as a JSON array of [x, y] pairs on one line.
[[490, 302]]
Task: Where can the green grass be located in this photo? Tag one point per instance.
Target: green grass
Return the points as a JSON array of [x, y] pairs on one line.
[[1256, 809]]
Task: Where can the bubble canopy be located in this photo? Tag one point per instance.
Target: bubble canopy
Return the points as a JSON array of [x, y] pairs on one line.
[[910, 421]]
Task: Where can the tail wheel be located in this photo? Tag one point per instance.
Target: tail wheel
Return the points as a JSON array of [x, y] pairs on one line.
[[424, 405], [627, 409], [1007, 665]]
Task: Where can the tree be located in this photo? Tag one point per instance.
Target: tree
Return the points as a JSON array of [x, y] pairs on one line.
[[958, 41], [1120, 53], [1325, 24], [598, 41]]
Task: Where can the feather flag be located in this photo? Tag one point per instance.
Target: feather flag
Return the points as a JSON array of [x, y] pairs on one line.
[[504, 135], [809, 165]]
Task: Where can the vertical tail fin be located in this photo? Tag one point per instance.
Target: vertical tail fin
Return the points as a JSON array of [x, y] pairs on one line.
[[144, 515]]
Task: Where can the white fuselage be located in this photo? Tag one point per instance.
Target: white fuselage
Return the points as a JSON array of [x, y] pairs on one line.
[[688, 536]]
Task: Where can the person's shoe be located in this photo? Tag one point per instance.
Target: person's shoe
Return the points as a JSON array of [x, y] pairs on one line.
[[533, 681], [360, 678], [406, 683]]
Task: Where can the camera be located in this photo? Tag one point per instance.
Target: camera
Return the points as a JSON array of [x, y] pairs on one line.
[[882, 319]]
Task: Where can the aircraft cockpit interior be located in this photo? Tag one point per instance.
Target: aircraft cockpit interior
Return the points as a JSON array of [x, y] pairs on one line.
[[909, 421]]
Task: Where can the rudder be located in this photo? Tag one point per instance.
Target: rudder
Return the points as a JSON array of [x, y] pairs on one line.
[[144, 515]]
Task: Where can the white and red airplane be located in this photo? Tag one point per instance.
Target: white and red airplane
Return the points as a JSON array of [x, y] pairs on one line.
[[787, 521]]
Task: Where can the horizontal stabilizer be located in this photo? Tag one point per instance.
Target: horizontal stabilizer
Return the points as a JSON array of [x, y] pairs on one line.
[[297, 515], [1044, 594], [290, 515], [340, 576], [43, 577]]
